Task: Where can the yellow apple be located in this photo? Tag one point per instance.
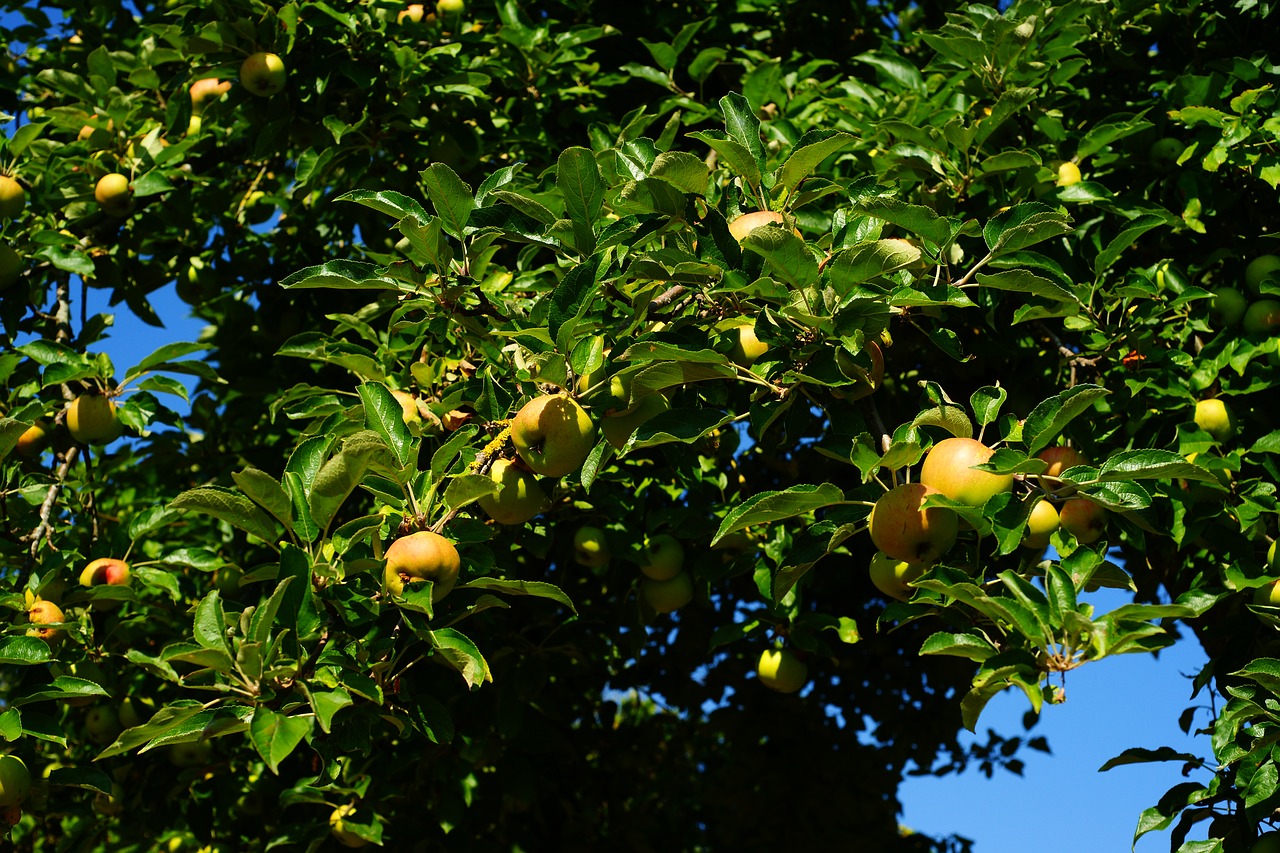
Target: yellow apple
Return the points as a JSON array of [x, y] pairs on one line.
[[45, 613], [1215, 417], [949, 468], [748, 222], [205, 92], [263, 74], [905, 531], [747, 348], [13, 198], [113, 194], [894, 577], [91, 419], [1068, 174], [338, 829], [782, 671], [519, 497], [33, 441], [423, 556], [553, 435], [1040, 525]]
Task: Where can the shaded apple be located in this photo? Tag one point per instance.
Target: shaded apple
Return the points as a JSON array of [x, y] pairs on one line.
[[15, 780], [619, 428], [1259, 269], [663, 557], [102, 724], [904, 530], [33, 441], [423, 556], [667, 596], [44, 613], [1262, 318], [1228, 306], [11, 266], [192, 753], [1083, 519], [338, 829], [553, 434], [1164, 153], [113, 194], [519, 497], [1040, 525], [106, 570], [263, 74], [745, 347], [893, 577], [949, 468], [590, 547], [782, 671]]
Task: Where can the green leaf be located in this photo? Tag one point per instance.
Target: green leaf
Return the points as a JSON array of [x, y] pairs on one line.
[[684, 171], [1139, 755], [1264, 672], [267, 492], [384, 415], [1025, 281], [336, 480], [573, 294], [1050, 417], [808, 154], [915, 218], [1134, 229], [460, 652], [88, 778], [986, 403], [466, 488], [211, 624], [966, 645], [743, 127], [1151, 464], [775, 506], [787, 254], [229, 506], [734, 155], [539, 589], [1024, 225], [578, 179], [276, 735], [24, 651], [327, 703], [451, 198], [865, 261], [344, 275]]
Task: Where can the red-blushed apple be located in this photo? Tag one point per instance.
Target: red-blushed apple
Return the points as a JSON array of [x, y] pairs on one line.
[[1083, 519], [1215, 417], [1060, 458], [553, 434], [782, 671], [894, 577], [13, 198], [263, 74], [904, 530], [663, 557], [11, 266], [423, 556], [413, 14], [44, 614], [590, 547], [1040, 525], [91, 419], [105, 570], [337, 827], [949, 468], [113, 194], [15, 780], [669, 595], [519, 497]]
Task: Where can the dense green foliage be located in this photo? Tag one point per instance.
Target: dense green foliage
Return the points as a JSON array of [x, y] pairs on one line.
[[523, 198]]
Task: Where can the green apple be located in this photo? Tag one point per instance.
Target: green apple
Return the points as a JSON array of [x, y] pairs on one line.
[[1258, 269], [1083, 519], [590, 547], [423, 556], [91, 419], [667, 596], [782, 671], [1268, 594], [450, 8], [263, 74], [1040, 525], [113, 194], [15, 780], [1228, 306], [102, 723], [10, 266], [663, 557], [1215, 417], [949, 468], [45, 613], [110, 805], [519, 497], [893, 577], [553, 434], [135, 711], [746, 348], [619, 428], [33, 441], [192, 753], [1164, 153], [13, 198], [226, 580], [338, 829], [1060, 458], [904, 530], [1262, 318]]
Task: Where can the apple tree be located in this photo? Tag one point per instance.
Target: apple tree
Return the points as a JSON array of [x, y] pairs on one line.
[[637, 425]]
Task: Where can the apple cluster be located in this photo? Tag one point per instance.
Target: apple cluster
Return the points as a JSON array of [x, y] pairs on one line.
[[1259, 316]]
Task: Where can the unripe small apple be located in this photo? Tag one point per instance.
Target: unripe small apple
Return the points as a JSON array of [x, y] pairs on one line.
[[423, 556], [134, 711], [450, 10], [13, 198], [263, 74], [45, 613], [15, 780], [11, 266], [1262, 318], [905, 531], [338, 829], [1258, 269], [1040, 526], [113, 194], [1228, 306], [1083, 519], [1164, 153], [102, 724], [782, 671], [194, 753], [893, 577], [1268, 842], [1215, 417], [91, 419], [663, 557], [667, 596], [948, 467], [1060, 458], [1273, 556], [590, 547]]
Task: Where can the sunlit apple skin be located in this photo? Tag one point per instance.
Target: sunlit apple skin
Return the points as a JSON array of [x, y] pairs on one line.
[[10, 266], [663, 557], [1258, 269], [1215, 417], [1273, 556], [33, 442], [782, 671], [590, 547], [15, 780], [91, 419], [450, 9], [669, 595], [905, 531], [748, 222], [413, 13], [1068, 174], [423, 556], [1083, 519], [106, 570], [338, 830], [618, 429], [13, 198], [1262, 318], [113, 194], [205, 92], [553, 435], [747, 348], [1040, 526], [1060, 458], [893, 577], [519, 497], [948, 468], [263, 74], [44, 613]]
